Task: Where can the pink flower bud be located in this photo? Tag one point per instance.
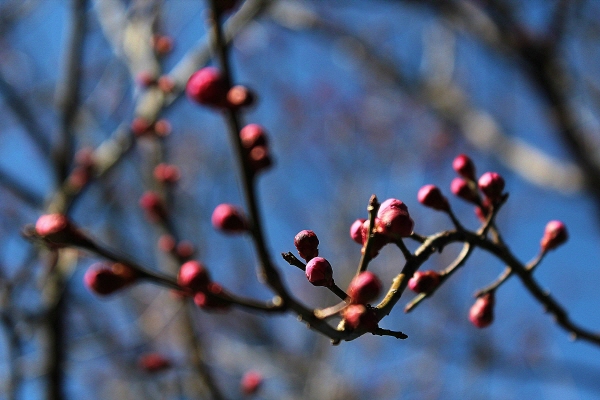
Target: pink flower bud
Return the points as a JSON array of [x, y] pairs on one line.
[[357, 316], [51, 224], [240, 96], [464, 166], [166, 84], [378, 241], [307, 244], [57, 230], [394, 220], [431, 196], [185, 249], [461, 188], [229, 219], [555, 234], [162, 128], [154, 362], [193, 276], [145, 78], [356, 231], [251, 382], [140, 126], [213, 298], [319, 272], [364, 288], [484, 210], [154, 206], [162, 44], [207, 87], [103, 279], [481, 313], [166, 243], [167, 173], [253, 135], [492, 185], [259, 158], [424, 282]]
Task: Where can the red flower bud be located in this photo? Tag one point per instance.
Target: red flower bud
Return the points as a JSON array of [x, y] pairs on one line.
[[154, 206], [424, 282], [555, 234], [103, 279], [154, 362], [228, 218], [356, 231], [162, 44], [56, 229], [166, 243], [378, 241], [461, 188], [166, 84], [492, 185], [140, 126], [193, 276], [484, 210], [212, 298], [259, 158], [481, 313], [240, 96], [357, 316], [464, 166], [431, 196], [251, 382], [253, 135], [145, 78], [307, 244], [364, 288], [207, 87], [167, 173], [162, 128], [394, 220], [319, 272], [185, 249]]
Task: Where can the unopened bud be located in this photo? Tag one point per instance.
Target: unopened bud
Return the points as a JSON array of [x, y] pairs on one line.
[[481, 313], [360, 317], [229, 219], [464, 166], [492, 185], [431, 196], [364, 288], [319, 272], [555, 234], [424, 282], [307, 244]]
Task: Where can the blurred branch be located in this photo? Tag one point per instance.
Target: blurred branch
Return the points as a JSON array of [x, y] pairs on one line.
[[25, 115], [540, 58], [449, 102], [67, 90], [21, 191]]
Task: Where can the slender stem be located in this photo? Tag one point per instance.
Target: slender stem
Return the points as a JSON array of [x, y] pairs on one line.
[[366, 257]]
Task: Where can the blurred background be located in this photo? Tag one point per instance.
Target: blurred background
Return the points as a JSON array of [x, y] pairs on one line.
[[359, 97]]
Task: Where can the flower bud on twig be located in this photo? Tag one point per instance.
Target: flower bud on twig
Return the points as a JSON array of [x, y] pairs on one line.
[[358, 316], [229, 219], [464, 166], [103, 279], [481, 313], [424, 282], [319, 272], [307, 244], [364, 288], [431, 196], [555, 234]]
